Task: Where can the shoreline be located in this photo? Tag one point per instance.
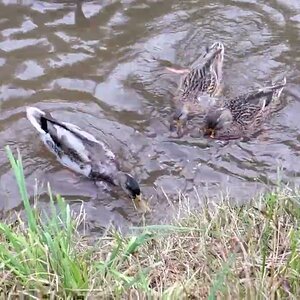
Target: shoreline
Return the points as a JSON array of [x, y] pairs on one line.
[[224, 250]]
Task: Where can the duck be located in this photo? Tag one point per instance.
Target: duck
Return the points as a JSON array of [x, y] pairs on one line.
[[243, 115], [199, 87], [81, 152]]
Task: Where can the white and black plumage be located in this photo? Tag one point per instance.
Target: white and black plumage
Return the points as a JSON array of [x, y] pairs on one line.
[[243, 115], [205, 75], [81, 152]]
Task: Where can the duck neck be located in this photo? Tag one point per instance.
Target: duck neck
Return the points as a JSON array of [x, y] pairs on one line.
[[118, 178]]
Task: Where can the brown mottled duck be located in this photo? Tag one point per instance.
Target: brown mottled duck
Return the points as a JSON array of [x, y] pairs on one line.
[[244, 115], [198, 87]]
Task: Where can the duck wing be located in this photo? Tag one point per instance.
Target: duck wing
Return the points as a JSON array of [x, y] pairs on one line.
[[74, 148], [85, 149], [103, 160], [64, 140]]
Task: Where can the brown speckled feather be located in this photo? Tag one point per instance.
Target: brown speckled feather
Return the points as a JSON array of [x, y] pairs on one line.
[[204, 78], [249, 111]]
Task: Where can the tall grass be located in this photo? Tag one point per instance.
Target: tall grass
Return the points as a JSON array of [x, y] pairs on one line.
[[41, 253], [220, 252]]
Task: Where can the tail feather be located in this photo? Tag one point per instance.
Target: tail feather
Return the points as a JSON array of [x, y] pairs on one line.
[[276, 87], [282, 82], [34, 116], [276, 90], [279, 87]]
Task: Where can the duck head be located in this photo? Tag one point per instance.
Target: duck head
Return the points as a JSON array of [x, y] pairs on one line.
[[131, 187], [217, 120]]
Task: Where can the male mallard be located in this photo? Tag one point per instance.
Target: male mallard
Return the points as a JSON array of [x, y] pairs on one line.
[[243, 115], [82, 153], [197, 89]]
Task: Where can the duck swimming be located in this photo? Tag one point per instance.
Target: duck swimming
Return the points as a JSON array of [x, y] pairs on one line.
[[83, 153], [198, 87], [243, 116]]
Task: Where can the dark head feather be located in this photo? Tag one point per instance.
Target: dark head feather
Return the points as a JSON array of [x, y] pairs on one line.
[[132, 186]]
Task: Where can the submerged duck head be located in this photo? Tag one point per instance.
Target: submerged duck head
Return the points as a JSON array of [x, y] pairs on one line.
[[178, 121], [132, 189], [216, 120]]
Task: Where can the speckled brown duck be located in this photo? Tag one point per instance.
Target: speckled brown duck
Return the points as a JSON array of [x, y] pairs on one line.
[[244, 115], [199, 85]]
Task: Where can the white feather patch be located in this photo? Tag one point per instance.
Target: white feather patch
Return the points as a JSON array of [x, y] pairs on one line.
[[64, 159], [33, 115], [90, 137], [75, 142]]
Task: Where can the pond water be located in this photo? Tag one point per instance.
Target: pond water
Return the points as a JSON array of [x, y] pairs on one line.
[[102, 65]]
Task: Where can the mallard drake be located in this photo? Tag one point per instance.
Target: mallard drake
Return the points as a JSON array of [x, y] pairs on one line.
[[243, 116], [83, 153], [198, 87]]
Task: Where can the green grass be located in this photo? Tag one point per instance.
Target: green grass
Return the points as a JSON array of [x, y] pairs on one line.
[[222, 251]]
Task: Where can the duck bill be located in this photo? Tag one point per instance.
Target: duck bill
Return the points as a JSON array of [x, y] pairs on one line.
[[140, 204], [174, 126], [177, 128], [210, 132]]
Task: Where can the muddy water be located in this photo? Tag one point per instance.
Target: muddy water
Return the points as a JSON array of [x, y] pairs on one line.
[[101, 65]]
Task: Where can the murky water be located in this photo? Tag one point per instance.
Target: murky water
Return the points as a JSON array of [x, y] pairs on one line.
[[101, 65]]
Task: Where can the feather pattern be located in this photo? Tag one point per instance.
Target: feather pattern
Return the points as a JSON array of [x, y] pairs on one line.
[[73, 147], [204, 77], [198, 88], [247, 112]]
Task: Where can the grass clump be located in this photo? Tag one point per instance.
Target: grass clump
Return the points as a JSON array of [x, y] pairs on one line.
[[222, 251], [36, 252]]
